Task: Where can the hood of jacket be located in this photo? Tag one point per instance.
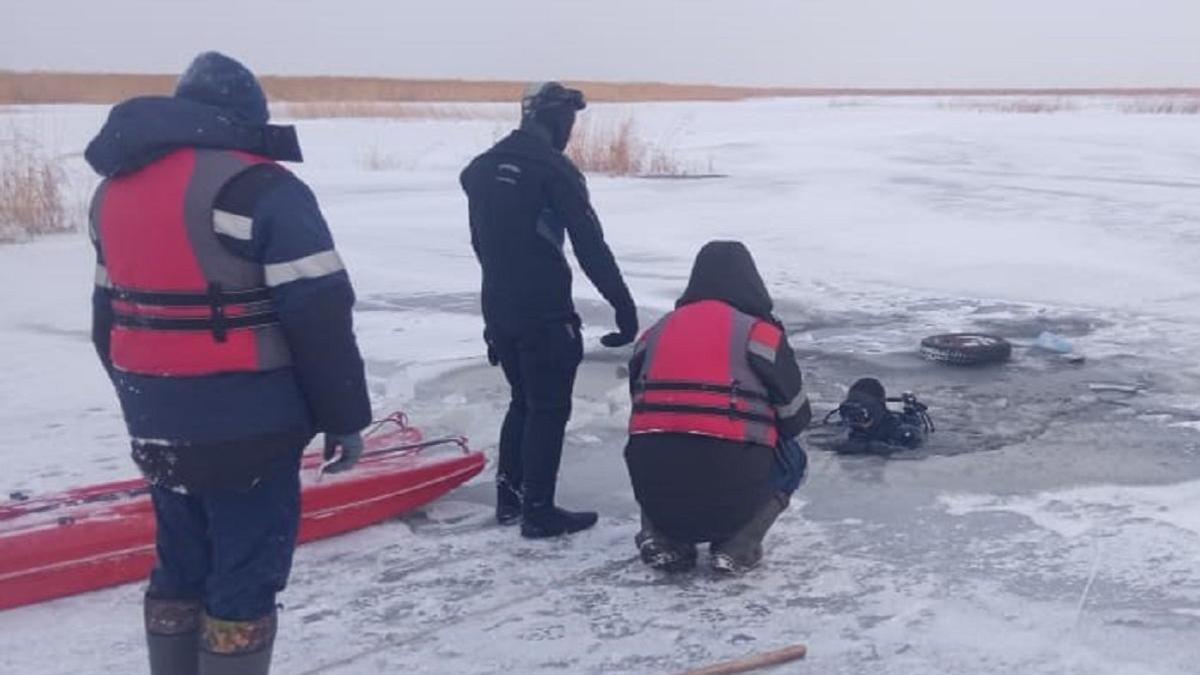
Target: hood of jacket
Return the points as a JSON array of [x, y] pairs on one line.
[[725, 271], [142, 130]]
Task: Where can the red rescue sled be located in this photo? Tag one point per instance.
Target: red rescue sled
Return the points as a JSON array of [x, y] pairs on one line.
[[103, 535]]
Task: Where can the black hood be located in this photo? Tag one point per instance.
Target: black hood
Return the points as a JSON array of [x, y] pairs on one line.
[[553, 125], [548, 109], [143, 130], [725, 271]]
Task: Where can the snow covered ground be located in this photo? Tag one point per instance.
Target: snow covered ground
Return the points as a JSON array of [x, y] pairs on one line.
[[1051, 526]]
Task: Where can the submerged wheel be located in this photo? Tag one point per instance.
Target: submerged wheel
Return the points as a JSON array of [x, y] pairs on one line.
[[966, 349]]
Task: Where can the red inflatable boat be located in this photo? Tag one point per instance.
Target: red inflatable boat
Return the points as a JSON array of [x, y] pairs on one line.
[[103, 535]]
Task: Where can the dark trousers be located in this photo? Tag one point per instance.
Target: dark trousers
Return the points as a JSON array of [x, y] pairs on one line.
[[540, 365], [226, 547], [742, 540]]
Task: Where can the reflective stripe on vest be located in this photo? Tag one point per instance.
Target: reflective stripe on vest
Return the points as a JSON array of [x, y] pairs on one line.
[[183, 304], [696, 376]]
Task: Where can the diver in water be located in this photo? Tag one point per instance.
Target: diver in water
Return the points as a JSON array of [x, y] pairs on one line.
[[870, 427]]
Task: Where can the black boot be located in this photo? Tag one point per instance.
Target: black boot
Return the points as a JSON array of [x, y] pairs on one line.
[[662, 553], [551, 521], [172, 636], [540, 518], [237, 647], [667, 557], [508, 502]]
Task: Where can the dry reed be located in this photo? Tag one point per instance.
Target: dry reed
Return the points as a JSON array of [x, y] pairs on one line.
[[612, 148], [58, 87], [388, 110], [31, 187], [1176, 105], [1034, 106], [374, 159], [616, 148], [51, 87]]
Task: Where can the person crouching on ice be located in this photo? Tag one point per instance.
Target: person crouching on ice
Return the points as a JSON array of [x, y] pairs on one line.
[[222, 314], [717, 403]]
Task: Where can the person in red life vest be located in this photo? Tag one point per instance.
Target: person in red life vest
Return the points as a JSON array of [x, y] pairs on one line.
[[222, 314], [717, 404]]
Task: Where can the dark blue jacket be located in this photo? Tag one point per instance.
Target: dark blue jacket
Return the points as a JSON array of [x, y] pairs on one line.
[[526, 198], [324, 389]]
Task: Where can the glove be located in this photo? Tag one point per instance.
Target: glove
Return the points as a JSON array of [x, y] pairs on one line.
[[351, 446], [627, 329]]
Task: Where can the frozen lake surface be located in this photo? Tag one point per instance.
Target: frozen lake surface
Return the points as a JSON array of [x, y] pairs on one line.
[[1052, 525]]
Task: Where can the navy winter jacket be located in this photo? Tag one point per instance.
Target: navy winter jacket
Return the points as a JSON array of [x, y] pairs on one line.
[[526, 198], [324, 389]]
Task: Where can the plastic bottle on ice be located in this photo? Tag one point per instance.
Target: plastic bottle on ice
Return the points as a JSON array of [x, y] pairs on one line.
[[1053, 342]]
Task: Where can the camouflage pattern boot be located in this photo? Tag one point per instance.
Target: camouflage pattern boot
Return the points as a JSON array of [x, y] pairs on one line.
[[172, 636], [237, 647]]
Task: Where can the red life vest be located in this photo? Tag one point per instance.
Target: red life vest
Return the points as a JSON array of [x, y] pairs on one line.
[[696, 376], [183, 305]]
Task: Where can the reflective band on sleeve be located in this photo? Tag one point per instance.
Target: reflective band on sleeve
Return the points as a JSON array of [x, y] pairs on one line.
[[759, 349], [796, 405], [102, 280], [309, 267], [233, 225]]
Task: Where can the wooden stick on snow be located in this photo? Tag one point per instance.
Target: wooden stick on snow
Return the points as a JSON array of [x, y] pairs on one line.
[[750, 663]]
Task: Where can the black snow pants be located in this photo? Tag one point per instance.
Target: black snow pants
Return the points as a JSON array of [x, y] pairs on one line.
[[539, 363]]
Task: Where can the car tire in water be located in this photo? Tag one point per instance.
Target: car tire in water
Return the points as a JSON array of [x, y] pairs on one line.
[[966, 349]]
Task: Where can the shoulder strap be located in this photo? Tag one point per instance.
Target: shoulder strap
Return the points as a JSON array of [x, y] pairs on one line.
[[214, 169]]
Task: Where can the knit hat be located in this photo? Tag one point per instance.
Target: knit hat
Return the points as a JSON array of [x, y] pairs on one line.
[[217, 80]]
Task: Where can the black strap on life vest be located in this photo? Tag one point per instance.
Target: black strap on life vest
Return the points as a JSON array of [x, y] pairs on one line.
[[672, 385], [190, 324], [732, 390], [218, 322], [680, 409], [169, 299]]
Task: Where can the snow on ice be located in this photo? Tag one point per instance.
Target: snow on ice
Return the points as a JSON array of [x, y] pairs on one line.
[[1048, 528]]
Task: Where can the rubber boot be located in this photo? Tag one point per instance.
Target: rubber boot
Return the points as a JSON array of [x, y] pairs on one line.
[[237, 647], [508, 502], [546, 520], [540, 518], [662, 553], [744, 551], [172, 636]]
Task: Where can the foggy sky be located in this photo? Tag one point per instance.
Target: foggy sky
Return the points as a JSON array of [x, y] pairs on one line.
[[977, 43]]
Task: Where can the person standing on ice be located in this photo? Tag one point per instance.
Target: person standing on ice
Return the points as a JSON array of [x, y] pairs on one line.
[[717, 404], [222, 314], [525, 197]]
